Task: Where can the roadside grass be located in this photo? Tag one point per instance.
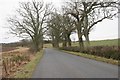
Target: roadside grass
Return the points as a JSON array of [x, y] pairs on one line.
[[97, 58], [111, 42], [27, 70]]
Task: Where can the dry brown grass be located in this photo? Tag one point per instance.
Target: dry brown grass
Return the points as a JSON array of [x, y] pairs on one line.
[[13, 54]]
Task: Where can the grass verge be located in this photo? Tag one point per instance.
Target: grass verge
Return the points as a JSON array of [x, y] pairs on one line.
[[97, 58], [27, 70]]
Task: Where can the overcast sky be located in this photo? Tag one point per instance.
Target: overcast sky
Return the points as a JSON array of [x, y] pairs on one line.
[[108, 29]]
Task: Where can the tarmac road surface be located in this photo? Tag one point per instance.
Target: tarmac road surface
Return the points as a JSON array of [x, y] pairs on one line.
[[57, 64]]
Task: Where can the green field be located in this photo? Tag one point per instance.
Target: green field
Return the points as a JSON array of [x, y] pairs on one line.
[[109, 42]]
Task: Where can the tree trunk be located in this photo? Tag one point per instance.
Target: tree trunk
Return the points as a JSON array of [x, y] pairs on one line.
[[53, 44], [64, 43], [56, 45], [87, 40], [38, 42], [36, 45], [41, 44], [86, 31], [81, 45], [69, 40]]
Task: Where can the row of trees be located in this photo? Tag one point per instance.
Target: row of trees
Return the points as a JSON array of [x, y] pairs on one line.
[[36, 19], [80, 17]]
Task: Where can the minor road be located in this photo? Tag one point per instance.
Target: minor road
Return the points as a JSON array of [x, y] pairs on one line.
[[57, 64]]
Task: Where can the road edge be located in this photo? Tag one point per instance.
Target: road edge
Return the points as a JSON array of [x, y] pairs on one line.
[[97, 58]]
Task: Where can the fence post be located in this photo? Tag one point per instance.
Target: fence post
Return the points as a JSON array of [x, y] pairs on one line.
[[4, 65]]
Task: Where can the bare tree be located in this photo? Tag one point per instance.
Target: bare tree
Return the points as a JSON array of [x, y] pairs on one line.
[[96, 12], [74, 9], [29, 21], [88, 14], [55, 29], [68, 26], [61, 26]]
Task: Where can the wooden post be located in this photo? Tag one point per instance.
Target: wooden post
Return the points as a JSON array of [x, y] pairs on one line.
[[10, 64], [4, 65], [7, 66]]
